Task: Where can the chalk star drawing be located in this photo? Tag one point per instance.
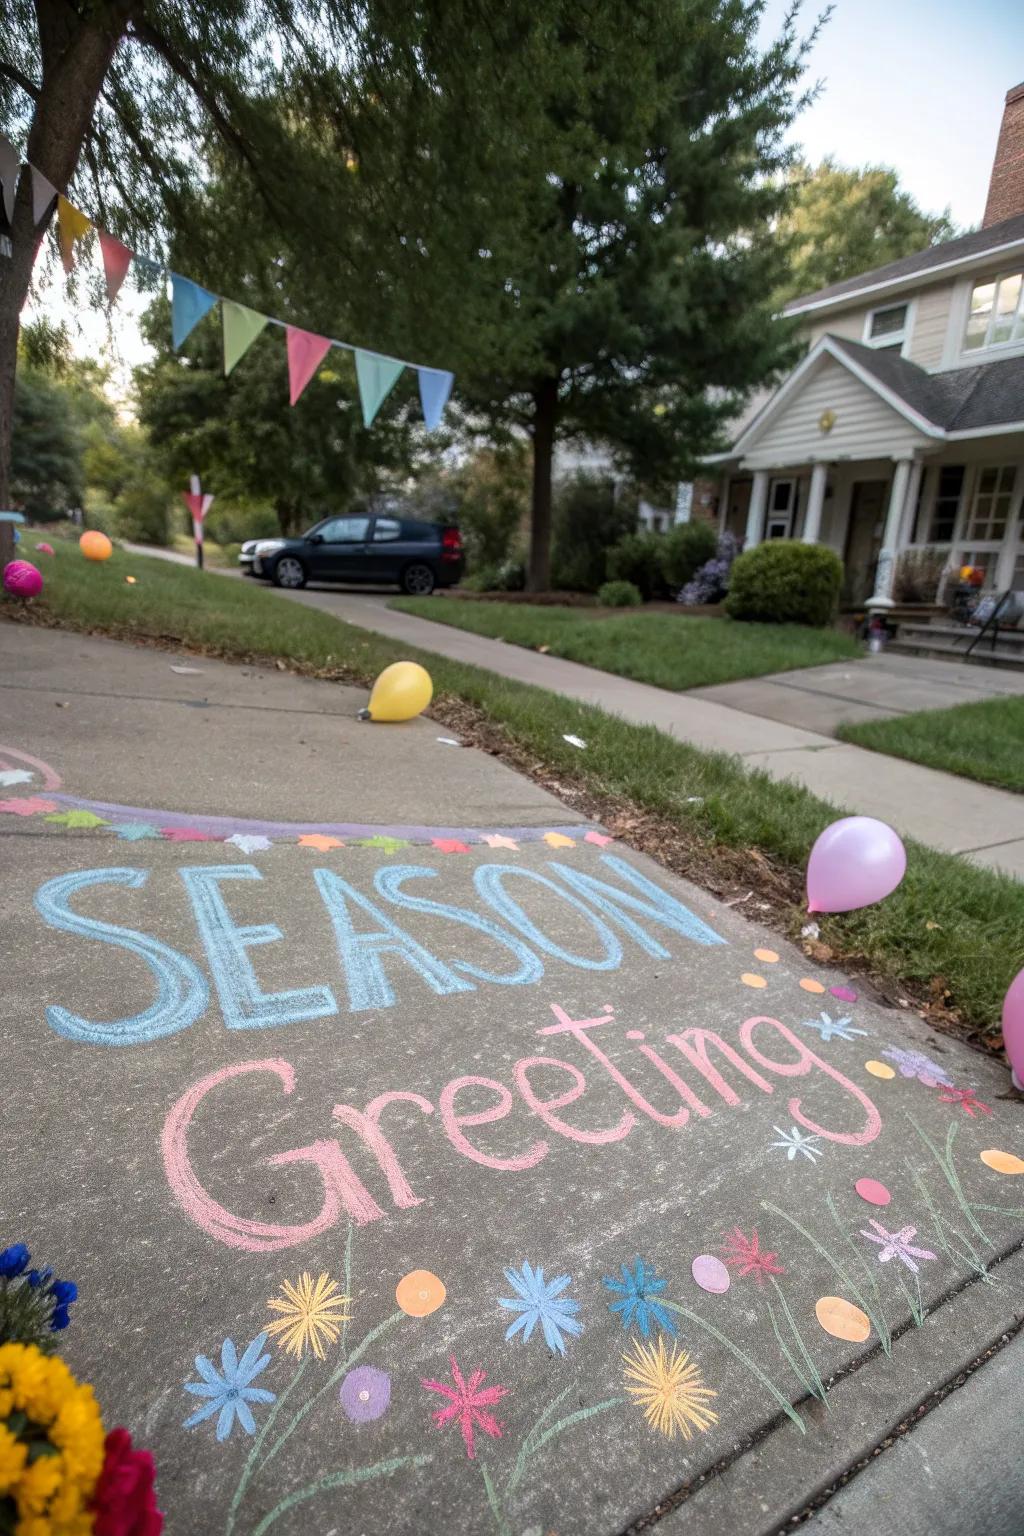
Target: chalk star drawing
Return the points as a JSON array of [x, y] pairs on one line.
[[638, 1290], [794, 1141], [15, 776], [249, 842], [497, 840], [319, 841], [468, 1403], [558, 840], [896, 1245], [449, 845], [541, 1301], [917, 1064], [32, 805], [384, 843], [135, 831], [230, 1389], [598, 838], [829, 1028], [78, 819], [746, 1255], [966, 1098]]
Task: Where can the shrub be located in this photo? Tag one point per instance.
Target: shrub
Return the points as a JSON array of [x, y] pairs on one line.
[[637, 558], [711, 582], [684, 549], [589, 515], [785, 582], [918, 574], [618, 594]]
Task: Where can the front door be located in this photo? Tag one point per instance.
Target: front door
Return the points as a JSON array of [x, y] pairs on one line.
[[863, 539], [340, 553]]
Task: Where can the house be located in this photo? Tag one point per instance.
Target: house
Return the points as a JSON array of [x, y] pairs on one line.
[[898, 440]]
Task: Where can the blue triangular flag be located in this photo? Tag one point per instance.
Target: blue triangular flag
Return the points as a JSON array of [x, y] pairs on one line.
[[435, 387], [189, 303], [377, 377]]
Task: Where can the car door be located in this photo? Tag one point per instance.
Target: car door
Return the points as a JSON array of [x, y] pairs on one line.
[[338, 549], [386, 550]]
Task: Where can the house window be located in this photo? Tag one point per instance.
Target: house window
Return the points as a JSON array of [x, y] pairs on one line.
[[991, 506], [947, 503], [997, 313], [886, 328]]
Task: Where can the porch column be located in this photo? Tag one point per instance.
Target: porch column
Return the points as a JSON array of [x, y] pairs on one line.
[[815, 503], [894, 516], [756, 511]]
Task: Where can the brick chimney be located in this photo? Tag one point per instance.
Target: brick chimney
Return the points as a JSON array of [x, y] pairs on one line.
[[1006, 186]]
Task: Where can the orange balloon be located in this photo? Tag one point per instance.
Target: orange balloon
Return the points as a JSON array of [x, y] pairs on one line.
[[419, 1293], [95, 545]]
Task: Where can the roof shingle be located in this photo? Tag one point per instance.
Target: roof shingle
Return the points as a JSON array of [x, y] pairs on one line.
[[959, 400]]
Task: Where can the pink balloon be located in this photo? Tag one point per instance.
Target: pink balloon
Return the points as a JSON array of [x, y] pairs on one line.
[[855, 861], [22, 579], [1013, 1026], [44, 549]]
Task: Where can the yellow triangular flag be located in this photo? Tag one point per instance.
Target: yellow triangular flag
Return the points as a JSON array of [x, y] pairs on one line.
[[72, 224]]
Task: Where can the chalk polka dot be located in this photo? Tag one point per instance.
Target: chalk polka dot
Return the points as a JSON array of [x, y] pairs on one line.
[[634, 1034], [768, 956], [879, 1069], [872, 1191], [809, 985], [1002, 1162], [750, 980], [842, 1319], [710, 1274], [419, 1293], [844, 994]]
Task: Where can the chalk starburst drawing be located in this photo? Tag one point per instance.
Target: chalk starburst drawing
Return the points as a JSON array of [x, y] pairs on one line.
[[833, 1029], [747, 1257], [11, 776], [136, 831], [917, 1064], [229, 1391], [638, 1291], [310, 1313], [468, 1402], [541, 1301], [794, 1141], [966, 1098], [249, 842], [669, 1389], [896, 1245]]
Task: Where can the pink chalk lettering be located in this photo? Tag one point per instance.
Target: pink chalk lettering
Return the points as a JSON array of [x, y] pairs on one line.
[[367, 1125], [800, 1068], [579, 1028], [545, 1108], [694, 1045], [453, 1121]]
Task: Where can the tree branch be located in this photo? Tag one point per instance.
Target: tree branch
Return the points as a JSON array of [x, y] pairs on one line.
[[19, 79]]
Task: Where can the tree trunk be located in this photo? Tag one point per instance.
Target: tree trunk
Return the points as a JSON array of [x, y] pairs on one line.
[[76, 55], [545, 415]]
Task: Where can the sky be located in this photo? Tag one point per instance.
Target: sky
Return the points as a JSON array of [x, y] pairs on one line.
[[913, 84]]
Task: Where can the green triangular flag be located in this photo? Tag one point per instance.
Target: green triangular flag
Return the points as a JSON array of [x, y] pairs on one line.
[[377, 376], [241, 327]]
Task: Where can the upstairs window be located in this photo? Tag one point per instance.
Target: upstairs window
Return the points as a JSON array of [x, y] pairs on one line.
[[886, 328], [997, 313]]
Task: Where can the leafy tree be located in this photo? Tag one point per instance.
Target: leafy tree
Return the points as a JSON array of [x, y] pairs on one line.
[[47, 478], [126, 490], [591, 514], [493, 491], [842, 222]]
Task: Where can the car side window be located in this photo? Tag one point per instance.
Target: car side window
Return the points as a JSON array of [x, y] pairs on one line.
[[345, 530], [386, 530]]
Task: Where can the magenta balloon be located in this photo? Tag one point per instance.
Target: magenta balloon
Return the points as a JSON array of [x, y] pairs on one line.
[[22, 579], [854, 862], [1013, 1024]]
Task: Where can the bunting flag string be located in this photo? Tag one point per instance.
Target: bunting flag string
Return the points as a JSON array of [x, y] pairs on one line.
[[376, 373]]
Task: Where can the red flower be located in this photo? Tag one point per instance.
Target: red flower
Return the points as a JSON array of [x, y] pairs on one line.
[[467, 1405], [125, 1503], [966, 1098], [746, 1255]]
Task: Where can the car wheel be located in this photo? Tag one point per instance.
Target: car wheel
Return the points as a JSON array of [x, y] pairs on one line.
[[418, 580], [289, 572]]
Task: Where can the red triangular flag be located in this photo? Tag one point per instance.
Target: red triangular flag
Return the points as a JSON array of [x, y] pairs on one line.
[[306, 351], [117, 258]]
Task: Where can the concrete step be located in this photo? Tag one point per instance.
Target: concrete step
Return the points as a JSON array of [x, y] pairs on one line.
[[1012, 639], [983, 656]]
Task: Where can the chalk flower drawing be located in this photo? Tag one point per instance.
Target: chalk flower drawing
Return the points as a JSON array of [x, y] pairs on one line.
[[746, 1255], [638, 1290], [541, 1301], [966, 1098], [896, 1245], [794, 1141], [833, 1029], [365, 1394], [135, 831], [230, 1391], [917, 1064], [669, 1389], [468, 1403], [249, 842], [310, 1313]]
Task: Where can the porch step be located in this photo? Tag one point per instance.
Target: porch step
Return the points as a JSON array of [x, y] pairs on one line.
[[951, 641]]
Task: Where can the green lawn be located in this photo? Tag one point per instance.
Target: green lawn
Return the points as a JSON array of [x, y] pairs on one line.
[[949, 922], [669, 650], [979, 741]]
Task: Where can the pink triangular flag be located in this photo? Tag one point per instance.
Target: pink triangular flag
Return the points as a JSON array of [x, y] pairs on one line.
[[306, 351], [43, 194], [117, 258]]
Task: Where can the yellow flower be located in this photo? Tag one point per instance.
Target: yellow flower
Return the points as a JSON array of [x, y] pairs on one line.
[[52, 1495], [12, 1459], [308, 1311], [669, 1389]]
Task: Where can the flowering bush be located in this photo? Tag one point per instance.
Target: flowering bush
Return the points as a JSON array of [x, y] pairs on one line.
[[711, 582]]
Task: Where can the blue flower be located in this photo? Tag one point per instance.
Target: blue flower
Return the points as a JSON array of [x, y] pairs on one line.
[[13, 1261], [38, 1277], [541, 1301], [229, 1389], [64, 1292], [637, 1290], [60, 1319], [828, 1027]]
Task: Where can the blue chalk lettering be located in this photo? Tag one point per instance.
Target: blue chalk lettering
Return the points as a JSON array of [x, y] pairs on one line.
[[242, 1002], [389, 881], [360, 953], [660, 907], [181, 990], [489, 881]]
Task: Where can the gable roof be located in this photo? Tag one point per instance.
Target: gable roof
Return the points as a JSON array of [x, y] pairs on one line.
[[964, 249]]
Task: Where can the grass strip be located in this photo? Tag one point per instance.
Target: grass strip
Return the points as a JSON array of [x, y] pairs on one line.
[[983, 740]]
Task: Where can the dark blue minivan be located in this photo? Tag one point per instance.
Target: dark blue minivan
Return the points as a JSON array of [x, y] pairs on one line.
[[389, 551]]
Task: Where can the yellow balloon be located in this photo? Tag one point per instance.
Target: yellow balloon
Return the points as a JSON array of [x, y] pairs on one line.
[[402, 692], [95, 545]]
